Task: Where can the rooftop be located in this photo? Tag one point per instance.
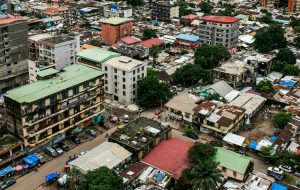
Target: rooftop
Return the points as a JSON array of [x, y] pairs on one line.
[[106, 154], [115, 21], [138, 133], [188, 37], [233, 68], [9, 20], [58, 39], [67, 78], [130, 40], [221, 19], [47, 72], [40, 37], [170, 156], [190, 17], [124, 63], [183, 102], [97, 55], [232, 160], [151, 42]]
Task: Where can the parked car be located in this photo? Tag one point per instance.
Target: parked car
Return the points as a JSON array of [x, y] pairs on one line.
[[286, 168], [275, 170], [50, 151], [63, 146], [298, 184], [58, 149], [75, 139], [192, 135], [91, 132], [297, 174], [126, 118], [7, 183], [141, 109], [42, 159], [276, 176]]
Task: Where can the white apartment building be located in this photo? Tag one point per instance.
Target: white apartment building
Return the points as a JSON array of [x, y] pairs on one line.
[[122, 74], [57, 51], [122, 11]]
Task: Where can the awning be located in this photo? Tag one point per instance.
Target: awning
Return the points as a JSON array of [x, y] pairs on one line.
[[51, 176], [277, 186], [31, 160], [6, 170], [253, 145]]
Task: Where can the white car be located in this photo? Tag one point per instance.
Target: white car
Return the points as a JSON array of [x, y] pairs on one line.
[[286, 168], [275, 170]]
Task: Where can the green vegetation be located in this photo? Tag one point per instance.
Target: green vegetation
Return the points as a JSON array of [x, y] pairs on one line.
[[102, 178], [183, 8], [75, 177], [265, 86], [95, 42], [228, 11], [285, 68], [189, 74], [135, 2], [183, 51], [282, 118], [289, 179], [151, 72], [294, 22], [203, 173], [267, 18], [209, 57], [270, 38], [206, 7], [286, 55], [216, 96], [153, 52], [151, 92], [149, 33]]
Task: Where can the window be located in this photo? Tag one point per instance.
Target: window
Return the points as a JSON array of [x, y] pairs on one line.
[[116, 77], [124, 80], [124, 73], [142, 74], [124, 93], [8, 65], [234, 173], [85, 85], [133, 72], [65, 94], [105, 68], [76, 90], [115, 70], [106, 88], [138, 70], [223, 169], [133, 92], [116, 91], [8, 72], [124, 87], [133, 79], [133, 86]]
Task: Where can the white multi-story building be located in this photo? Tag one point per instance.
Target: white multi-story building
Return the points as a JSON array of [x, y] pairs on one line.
[[122, 74], [57, 51], [122, 11]]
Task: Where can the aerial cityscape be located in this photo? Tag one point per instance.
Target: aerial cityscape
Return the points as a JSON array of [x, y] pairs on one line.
[[150, 94]]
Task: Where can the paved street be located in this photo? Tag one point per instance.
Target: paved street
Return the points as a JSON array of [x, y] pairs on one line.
[[35, 179]]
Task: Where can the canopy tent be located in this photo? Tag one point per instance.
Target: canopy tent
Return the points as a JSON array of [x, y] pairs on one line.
[[6, 170], [51, 176], [253, 145], [31, 160], [277, 186]]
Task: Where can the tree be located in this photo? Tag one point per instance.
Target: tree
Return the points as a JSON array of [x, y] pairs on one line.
[[291, 70], [102, 178], [297, 29], [135, 2], [294, 22], [183, 51], [286, 55], [95, 42], [267, 153], [75, 177], [206, 7], [205, 175], [200, 152], [151, 72], [183, 8], [267, 18], [287, 178], [151, 92], [297, 42], [64, 30], [209, 57], [228, 11], [265, 86], [265, 11], [281, 119], [149, 33], [153, 52], [189, 74], [269, 38]]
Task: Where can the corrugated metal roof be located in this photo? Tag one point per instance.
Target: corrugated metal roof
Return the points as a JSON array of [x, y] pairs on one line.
[[188, 37], [97, 55]]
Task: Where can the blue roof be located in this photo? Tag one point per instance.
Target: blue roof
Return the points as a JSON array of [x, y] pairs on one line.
[[188, 37], [6, 170], [277, 186], [253, 145], [287, 83], [31, 160], [274, 138], [51, 176]]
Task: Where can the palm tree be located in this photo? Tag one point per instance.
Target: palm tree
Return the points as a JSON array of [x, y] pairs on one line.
[[205, 175], [153, 52]]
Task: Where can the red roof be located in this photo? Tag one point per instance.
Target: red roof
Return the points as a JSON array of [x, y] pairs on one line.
[[151, 42], [221, 19], [190, 17], [116, 45], [130, 40], [51, 10], [8, 20], [170, 156]]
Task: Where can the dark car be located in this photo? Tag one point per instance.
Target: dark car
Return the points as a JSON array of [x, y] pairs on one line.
[[298, 184], [58, 149], [75, 139], [63, 146], [192, 135], [277, 177], [7, 183], [91, 132]]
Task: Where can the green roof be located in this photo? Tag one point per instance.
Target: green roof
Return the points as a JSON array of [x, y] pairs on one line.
[[242, 16], [47, 72], [115, 20], [97, 55], [232, 160], [67, 78]]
